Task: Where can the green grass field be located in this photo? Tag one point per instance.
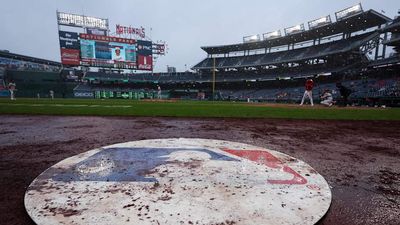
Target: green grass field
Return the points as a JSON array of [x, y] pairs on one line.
[[205, 109]]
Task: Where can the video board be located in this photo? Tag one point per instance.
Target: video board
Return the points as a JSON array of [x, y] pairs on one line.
[[88, 49], [104, 51], [94, 48]]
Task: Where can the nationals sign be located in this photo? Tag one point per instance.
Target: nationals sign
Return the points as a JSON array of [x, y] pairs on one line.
[[179, 181], [130, 30]]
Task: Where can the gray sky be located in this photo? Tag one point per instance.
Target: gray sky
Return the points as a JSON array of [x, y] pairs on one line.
[[29, 27]]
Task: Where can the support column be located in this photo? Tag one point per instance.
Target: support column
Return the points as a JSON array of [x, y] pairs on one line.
[[377, 49], [377, 45], [384, 46]]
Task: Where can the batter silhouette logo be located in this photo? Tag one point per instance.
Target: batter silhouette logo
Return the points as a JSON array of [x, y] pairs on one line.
[[166, 181], [129, 164], [270, 161]]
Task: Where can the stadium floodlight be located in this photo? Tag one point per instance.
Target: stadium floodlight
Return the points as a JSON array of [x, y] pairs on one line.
[[295, 29], [345, 13], [320, 22], [272, 35], [251, 38]]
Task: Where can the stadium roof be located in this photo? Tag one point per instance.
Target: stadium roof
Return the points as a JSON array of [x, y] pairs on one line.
[[296, 55], [357, 22], [394, 28], [394, 41], [7, 54], [384, 62]]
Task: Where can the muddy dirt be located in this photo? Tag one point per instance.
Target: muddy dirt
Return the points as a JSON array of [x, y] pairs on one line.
[[359, 159]]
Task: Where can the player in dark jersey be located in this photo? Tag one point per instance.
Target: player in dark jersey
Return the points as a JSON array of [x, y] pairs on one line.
[[344, 94], [308, 92]]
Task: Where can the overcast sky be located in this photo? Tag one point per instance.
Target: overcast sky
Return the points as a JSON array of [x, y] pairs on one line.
[[29, 27]]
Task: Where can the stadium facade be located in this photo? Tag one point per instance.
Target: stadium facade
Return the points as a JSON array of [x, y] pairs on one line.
[[355, 47]]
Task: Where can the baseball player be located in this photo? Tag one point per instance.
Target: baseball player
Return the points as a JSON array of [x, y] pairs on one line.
[[51, 94], [158, 91], [344, 92], [327, 98], [118, 56], [11, 88], [308, 92]]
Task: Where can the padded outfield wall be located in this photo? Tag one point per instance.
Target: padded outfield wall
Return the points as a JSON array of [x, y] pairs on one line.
[[31, 83]]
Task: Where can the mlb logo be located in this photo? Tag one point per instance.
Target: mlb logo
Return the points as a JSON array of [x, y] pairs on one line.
[[165, 181]]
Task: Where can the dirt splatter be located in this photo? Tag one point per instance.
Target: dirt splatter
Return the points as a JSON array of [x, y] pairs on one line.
[[359, 159]]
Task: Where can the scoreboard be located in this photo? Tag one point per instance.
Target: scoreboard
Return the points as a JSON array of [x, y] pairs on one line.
[[104, 51], [94, 48]]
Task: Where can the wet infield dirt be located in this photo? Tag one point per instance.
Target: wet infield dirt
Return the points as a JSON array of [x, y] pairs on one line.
[[359, 159]]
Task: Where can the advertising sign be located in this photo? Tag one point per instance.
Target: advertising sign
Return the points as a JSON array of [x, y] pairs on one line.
[[69, 40], [159, 49], [70, 57], [83, 94], [145, 62], [73, 20], [96, 31], [119, 29], [144, 55]]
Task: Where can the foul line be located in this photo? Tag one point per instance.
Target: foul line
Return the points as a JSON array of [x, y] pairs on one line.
[[62, 105]]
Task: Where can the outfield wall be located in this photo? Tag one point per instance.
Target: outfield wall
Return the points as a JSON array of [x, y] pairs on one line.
[[32, 83]]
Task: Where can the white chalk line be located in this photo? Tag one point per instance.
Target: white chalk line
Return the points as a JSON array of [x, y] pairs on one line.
[[67, 105]]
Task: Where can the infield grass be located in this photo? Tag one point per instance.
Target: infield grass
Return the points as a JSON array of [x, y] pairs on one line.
[[199, 109]]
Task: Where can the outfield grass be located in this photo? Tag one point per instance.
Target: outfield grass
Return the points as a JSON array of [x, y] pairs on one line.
[[116, 107]]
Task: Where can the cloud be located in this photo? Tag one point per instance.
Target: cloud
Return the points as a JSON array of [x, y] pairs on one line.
[[184, 25]]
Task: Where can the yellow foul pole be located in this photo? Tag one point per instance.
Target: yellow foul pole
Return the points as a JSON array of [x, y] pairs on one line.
[[213, 82]]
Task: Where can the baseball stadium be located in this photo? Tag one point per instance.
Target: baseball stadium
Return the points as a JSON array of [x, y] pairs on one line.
[[297, 125]]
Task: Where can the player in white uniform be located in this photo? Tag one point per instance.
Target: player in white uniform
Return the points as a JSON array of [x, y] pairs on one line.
[[51, 94], [327, 98], [11, 88], [159, 92], [118, 56]]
